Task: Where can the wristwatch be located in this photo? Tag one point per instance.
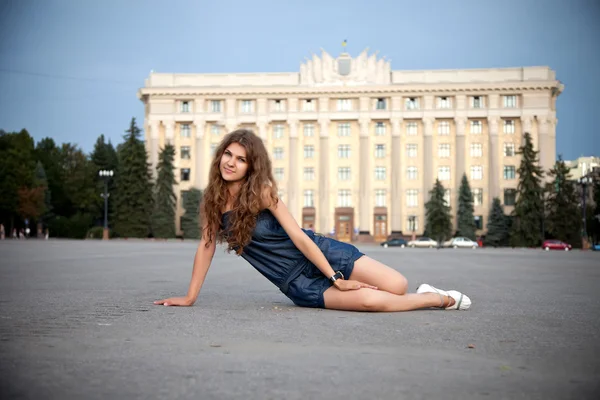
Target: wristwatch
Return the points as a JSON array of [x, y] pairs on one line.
[[336, 276]]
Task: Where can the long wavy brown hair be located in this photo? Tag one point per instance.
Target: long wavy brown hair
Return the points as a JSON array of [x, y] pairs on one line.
[[248, 204]]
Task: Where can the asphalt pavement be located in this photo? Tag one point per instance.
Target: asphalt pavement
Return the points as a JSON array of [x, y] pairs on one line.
[[77, 322]]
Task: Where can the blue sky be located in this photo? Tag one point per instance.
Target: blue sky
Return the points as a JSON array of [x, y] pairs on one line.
[[70, 69]]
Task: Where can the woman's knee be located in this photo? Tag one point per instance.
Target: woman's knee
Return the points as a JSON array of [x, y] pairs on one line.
[[401, 283]]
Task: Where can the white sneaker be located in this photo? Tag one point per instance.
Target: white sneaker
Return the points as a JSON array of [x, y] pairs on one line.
[[461, 301]]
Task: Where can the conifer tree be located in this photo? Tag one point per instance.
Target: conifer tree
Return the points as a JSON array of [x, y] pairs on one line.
[[190, 221], [133, 192], [466, 222], [438, 225], [529, 208], [163, 218], [563, 219], [497, 226]]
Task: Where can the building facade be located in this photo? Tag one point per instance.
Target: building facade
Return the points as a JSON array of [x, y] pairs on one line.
[[356, 146]]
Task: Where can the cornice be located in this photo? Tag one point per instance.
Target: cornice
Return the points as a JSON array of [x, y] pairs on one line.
[[282, 91]]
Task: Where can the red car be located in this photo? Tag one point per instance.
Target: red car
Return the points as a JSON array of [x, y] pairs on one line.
[[555, 245]]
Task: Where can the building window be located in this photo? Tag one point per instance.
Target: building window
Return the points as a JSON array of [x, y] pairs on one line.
[[411, 128], [444, 150], [411, 173], [444, 128], [309, 198], [443, 102], [185, 174], [476, 149], [379, 173], [411, 198], [509, 126], [478, 221], [344, 151], [309, 130], [380, 198], [215, 106], [215, 129], [411, 149], [476, 172], [412, 103], [379, 129], [309, 151], [477, 197], [510, 197], [380, 104], [444, 173], [412, 223], [343, 173], [309, 174], [344, 105], [476, 127], [509, 172], [379, 150], [509, 101], [476, 102], [344, 129], [278, 105], [213, 147], [344, 198], [185, 152], [185, 130], [278, 131], [185, 106], [509, 149], [447, 197], [308, 105], [246, 106], [278, 153], [279, 174]]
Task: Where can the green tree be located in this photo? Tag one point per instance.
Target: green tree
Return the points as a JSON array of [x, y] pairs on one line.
[[133, 194], [42, 181], [497, 226], [49, 155], [190, 221], [103, 157], [594, 226], [438, 223], [563, 218], [165, 201], [466, 222], [529, 208]]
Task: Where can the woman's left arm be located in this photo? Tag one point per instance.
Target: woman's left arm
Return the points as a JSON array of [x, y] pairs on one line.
[[308, 247]]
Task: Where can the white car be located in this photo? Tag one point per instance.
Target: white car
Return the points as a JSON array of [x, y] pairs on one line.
[[423, 242], [461, 242]]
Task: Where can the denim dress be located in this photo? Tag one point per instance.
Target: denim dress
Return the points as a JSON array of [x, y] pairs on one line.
[[273, 254]]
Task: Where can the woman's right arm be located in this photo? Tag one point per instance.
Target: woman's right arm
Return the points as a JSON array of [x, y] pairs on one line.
[[202, 261]]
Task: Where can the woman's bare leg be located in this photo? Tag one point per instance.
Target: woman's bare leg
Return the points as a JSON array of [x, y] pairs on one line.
[[379, 300], [374, 273]]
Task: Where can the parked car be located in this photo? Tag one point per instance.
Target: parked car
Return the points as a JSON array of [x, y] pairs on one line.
[[394, 243], [423, 242], [461, 242], [555, 245]]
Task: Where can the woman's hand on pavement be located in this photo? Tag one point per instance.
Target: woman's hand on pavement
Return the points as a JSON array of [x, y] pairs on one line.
[[175, 301]]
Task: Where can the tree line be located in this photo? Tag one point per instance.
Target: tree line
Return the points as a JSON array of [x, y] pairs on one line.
[[52, 187], [541, 211], [58, 188]]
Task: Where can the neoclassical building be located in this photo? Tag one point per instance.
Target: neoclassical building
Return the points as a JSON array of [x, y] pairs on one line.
[[355, 145]]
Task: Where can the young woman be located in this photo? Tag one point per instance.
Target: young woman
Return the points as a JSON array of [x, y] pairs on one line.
[[240, 207]]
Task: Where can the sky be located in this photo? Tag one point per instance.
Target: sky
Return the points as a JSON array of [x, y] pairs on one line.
[[71, 69]]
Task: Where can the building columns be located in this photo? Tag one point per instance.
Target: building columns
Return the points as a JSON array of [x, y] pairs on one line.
[[154, 135], [323, 211], [293, 194], [199, 173], [396, 203], [364, 220], [169, 131], [494, 159], [427, 158]]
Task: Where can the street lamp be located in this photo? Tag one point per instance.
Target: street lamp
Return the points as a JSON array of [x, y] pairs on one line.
[[584, 181], [105, 175]]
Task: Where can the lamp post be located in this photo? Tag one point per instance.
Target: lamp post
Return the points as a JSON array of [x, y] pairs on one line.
[[584, 181], [105, 175]]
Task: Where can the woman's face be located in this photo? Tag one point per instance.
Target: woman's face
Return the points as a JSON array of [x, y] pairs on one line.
[[234, 164]]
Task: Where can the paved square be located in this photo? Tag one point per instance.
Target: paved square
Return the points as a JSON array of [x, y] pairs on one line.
[[77, 321]]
